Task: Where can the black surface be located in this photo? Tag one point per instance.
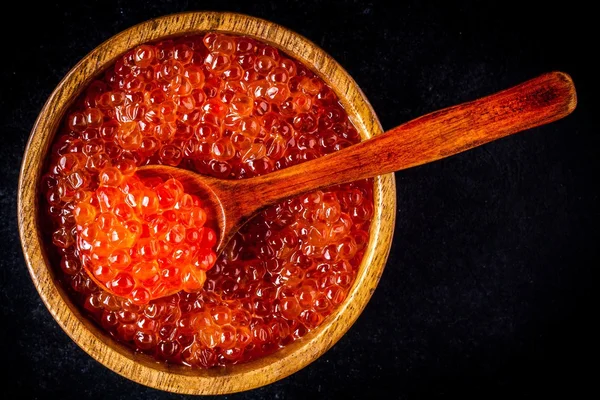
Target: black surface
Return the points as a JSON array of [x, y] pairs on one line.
[[489, 287]]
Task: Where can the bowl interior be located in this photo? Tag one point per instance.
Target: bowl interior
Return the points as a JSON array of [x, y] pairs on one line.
[[142, 368]]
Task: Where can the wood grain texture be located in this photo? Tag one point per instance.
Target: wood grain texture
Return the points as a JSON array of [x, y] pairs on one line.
[[431, 137], [144, 369]]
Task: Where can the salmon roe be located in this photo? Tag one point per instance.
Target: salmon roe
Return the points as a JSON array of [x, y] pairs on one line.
[[233, 108], [143, 239]]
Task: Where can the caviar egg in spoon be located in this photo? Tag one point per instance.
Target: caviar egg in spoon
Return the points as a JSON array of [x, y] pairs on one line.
[[144, 239]]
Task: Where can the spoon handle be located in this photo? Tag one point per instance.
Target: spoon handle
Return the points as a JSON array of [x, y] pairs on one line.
[[433, 136]]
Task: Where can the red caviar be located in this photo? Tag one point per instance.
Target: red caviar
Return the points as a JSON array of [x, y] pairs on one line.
[[229, 107], [143, 239]]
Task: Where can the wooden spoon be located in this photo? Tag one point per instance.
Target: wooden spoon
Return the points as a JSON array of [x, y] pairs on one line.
[[433, 136]]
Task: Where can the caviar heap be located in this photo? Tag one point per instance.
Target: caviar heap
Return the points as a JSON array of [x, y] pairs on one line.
[[232, 108], [143, 239]]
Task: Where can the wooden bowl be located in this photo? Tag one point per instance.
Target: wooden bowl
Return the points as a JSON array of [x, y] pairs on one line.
[[142, 368]]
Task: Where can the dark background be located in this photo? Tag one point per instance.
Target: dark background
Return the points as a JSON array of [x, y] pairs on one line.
[[488, 289]]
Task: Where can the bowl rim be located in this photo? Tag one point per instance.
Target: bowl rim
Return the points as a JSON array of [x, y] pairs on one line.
[[141, 368]]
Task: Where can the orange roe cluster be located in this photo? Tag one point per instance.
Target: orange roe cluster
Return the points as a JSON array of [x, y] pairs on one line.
[[144, 239], [229, 107]]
